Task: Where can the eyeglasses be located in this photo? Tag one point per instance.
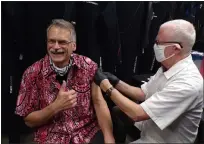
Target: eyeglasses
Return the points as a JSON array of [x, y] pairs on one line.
[[60, 42], [174, 42]]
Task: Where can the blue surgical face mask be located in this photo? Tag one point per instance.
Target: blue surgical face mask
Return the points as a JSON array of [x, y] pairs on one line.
[[159, 52]]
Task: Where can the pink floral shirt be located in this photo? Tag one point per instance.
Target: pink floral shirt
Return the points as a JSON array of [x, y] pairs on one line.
[[39, 88]]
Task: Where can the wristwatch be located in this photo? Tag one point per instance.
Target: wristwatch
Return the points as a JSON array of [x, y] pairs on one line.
[[108, 91]]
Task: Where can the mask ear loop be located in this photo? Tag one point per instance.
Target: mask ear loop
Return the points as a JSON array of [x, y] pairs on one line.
[[178, 46], [173, 53]]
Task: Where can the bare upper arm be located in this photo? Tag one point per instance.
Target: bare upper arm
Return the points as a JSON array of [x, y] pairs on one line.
[[96, 94]]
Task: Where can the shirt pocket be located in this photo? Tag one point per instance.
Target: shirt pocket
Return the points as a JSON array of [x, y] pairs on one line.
[[80, 82]]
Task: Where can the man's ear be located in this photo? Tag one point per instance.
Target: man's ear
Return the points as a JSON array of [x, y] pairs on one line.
[[74, 46], [178, 50]]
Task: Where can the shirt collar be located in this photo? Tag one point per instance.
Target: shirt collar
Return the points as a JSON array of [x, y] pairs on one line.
[[178, 67], [76, 61], [47, 70]]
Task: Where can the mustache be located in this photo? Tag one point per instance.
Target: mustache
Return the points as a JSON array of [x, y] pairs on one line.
[[56, 51]]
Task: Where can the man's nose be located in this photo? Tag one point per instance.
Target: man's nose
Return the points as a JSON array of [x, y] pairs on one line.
[[56, 45]]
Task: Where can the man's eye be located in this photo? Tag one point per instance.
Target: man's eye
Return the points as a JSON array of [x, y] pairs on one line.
[[62, 42], [51, 41]]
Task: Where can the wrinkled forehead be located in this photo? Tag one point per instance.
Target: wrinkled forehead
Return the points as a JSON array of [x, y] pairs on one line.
[[56, 32]]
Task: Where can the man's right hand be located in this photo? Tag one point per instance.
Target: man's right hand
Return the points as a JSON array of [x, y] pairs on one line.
[[112, 78], [65, 100]]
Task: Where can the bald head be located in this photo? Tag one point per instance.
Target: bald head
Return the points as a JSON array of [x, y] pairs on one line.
[[179, 31]]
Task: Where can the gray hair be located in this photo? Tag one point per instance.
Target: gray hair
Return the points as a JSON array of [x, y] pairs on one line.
[[183, 32], [64, 24]]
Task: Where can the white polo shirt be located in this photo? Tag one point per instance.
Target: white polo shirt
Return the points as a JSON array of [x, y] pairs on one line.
[[174, 102]]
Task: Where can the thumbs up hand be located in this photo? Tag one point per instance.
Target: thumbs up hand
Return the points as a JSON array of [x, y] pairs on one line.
[[65, 100]]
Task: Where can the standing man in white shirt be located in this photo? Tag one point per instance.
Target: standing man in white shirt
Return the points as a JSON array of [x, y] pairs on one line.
[[172, 98]]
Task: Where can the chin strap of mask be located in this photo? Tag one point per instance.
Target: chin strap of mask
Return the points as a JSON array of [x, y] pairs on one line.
[[61, 71]]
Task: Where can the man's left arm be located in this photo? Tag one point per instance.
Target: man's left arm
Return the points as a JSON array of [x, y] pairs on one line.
[[103, 114], [130, 108], [100, 106]]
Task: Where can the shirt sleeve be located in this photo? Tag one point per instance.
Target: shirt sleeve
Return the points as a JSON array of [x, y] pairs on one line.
[[167, 105], [145, 86], [92, 68], [27, 100]]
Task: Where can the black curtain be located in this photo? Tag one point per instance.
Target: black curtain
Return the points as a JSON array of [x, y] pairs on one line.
[[159, 12], [23, 42], [12, 44], [97, 33]]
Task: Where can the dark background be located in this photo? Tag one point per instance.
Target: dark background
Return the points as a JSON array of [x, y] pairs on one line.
[[121, 33]]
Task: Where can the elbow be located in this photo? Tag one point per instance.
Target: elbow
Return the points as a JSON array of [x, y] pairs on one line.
[[142, 98], [138, 114], [137, 119], [134, 118], [131, 115], [30, 121], [29, 124]]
